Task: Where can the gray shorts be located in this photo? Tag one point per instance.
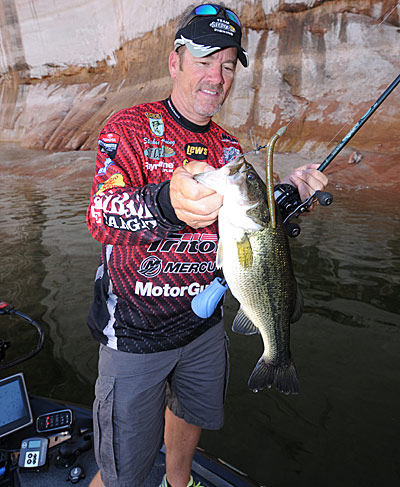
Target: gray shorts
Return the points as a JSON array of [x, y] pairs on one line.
[[132, 391]]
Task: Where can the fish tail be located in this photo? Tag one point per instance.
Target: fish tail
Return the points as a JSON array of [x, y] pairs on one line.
[[267, 374]]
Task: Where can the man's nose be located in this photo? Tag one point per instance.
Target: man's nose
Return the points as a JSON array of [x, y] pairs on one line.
[[214, 74]]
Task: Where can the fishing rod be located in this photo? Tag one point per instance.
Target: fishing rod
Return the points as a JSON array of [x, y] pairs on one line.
[[359, 124], [289, 202], [287, 196]]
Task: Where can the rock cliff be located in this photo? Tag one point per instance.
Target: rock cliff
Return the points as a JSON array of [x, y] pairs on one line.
[[316, 64]]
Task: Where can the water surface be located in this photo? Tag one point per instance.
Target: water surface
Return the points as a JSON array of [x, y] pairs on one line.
[[342, 429]]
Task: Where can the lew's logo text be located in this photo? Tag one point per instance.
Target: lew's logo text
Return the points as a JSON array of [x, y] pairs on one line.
[[196, 151]]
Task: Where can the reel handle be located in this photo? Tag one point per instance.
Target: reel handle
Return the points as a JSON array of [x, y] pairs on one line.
[[292, 229], [324, 198]]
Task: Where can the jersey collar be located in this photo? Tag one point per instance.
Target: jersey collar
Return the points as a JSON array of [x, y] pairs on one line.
[[184, 122]]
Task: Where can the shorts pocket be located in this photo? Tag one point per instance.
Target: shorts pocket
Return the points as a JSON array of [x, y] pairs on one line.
[[104, 431]]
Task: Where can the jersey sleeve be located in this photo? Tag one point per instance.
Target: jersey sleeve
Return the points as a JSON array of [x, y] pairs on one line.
[[124, 208]]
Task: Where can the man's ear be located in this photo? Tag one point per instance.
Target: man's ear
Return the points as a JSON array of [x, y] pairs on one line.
[[173, 64]]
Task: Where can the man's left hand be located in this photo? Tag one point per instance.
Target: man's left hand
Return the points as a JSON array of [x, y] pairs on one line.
[[307, 179]]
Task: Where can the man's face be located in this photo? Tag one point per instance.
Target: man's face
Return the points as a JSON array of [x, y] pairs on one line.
[[202, 84]]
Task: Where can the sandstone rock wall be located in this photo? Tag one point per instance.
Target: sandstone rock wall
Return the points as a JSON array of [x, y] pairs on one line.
[[318, 64]]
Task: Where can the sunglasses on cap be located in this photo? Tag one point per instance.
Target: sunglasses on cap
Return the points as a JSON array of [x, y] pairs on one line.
[[211, 9]]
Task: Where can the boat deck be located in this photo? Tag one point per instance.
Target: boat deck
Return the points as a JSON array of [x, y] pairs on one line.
[[55, 477], [210, 471]]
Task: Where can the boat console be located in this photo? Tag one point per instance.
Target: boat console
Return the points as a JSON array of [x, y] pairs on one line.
[[49, 443], [43, 442]]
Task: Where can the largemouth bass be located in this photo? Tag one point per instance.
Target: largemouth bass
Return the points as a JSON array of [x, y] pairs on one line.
[[256, 261]]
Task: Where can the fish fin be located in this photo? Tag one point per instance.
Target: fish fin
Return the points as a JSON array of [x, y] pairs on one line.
[[298, 309], [243, 325], [220, 256], [245, 252], [266, 374]]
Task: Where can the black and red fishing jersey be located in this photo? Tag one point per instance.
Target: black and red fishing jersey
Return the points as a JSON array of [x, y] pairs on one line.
[[152, 264]]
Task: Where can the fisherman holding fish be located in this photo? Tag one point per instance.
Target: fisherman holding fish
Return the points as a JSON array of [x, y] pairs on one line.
[[163, 369]]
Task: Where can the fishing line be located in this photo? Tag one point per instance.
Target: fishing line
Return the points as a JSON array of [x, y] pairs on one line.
[[302, 110], [299, 112], [372, 30]]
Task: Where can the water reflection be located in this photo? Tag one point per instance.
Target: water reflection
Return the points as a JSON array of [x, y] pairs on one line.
[[341, 430], [48, 262]]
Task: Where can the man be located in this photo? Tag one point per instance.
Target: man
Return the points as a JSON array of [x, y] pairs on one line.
[[159, 234]]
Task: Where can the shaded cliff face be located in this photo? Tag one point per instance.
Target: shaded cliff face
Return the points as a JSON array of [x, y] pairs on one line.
[[318, 65]]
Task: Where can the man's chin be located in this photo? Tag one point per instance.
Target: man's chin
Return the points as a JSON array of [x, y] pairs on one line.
[[207, 111]]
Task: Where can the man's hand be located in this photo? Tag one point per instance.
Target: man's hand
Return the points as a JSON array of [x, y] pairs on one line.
[[308, 180], [194, 203]]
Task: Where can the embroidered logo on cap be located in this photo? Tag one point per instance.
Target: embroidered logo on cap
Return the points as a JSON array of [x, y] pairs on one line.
[[223, 27]]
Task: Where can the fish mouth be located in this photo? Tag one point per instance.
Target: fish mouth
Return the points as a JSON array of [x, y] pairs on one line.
[[211, 180], [220, 178], [238, 168]]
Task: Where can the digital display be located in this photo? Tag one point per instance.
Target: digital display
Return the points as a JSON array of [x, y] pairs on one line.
[[34, 444], [12, 405], [15, 411]]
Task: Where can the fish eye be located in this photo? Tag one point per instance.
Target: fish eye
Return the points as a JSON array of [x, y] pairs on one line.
[[250, 176]]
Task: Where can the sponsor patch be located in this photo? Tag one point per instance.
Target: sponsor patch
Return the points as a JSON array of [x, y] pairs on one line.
[[156, 123], [189, 267], [108, 143], [193, 243], [230, 153], [122, 212], [163, 165], [150, 266], [115, 181], [153, 141], [133, 224], [159, 152], [196, 151], [148, 289], [107, 163], [228, 138]]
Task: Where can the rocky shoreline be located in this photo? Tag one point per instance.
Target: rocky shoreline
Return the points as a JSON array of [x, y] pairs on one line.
[[318, 65], [77, 167]]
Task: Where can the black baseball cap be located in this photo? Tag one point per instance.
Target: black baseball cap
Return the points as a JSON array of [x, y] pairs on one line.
[[211, 29]]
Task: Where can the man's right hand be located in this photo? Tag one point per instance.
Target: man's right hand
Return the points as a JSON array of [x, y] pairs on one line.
[[194, 203]]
